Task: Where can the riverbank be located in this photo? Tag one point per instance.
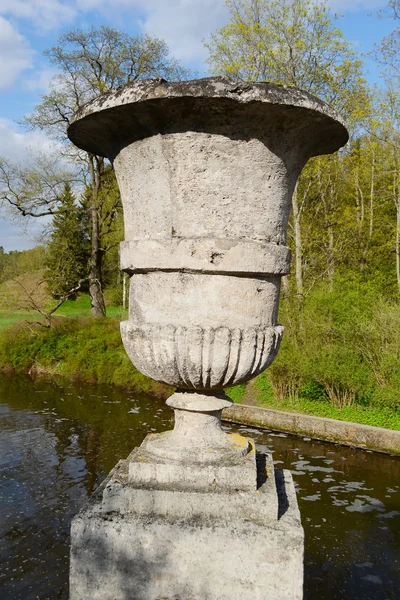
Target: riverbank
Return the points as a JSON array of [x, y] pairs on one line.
[[259, 393], [91, 350], [81, 348]]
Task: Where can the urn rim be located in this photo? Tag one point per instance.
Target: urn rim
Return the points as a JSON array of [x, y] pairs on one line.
[[96, 123]]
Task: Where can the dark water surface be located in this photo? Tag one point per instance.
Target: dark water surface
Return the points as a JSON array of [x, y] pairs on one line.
[[59, 440]]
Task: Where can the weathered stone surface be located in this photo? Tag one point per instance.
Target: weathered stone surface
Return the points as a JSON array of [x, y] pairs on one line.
[[332, 430], [146, 544], [124, 494], [104, 125], [182, 466], [200, 358], [205, 255]]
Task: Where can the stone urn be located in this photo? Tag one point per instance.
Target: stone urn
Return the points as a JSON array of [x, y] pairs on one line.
[[206, 171]]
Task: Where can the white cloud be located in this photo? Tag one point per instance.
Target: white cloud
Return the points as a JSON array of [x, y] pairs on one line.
[[40, 81], [45, 14], [183, 24], [15, 145], [16, 54]]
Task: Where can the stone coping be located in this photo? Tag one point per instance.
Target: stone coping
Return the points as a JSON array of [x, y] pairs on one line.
[[320, 428]]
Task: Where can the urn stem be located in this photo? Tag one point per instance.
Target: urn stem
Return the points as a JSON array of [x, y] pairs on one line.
[[197, 436]]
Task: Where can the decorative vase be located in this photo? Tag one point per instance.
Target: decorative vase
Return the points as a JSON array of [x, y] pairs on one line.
[[206, 170]]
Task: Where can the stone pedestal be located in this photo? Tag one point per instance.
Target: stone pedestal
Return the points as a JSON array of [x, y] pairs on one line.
[[134, 542]]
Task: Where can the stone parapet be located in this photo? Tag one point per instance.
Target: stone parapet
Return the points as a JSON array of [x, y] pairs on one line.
[[320, 428]]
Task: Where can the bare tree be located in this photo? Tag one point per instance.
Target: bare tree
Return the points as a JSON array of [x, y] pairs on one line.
[[88, 64]]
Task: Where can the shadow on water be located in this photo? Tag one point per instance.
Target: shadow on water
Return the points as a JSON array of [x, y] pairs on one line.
[[58, 440]]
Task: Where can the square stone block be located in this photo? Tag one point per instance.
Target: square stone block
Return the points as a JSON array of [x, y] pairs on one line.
[[134, 543]]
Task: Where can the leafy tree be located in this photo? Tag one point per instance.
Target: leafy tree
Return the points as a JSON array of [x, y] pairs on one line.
[[289, 42], [68, 249], [88, 64], [35, 188], [387, 53], [18, 263], [3, 262], [294, 43]]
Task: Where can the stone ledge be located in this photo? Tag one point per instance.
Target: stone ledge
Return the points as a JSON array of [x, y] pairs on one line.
[[119, 495], [234, 472], [320, 428], [104, 125], [206, 255]]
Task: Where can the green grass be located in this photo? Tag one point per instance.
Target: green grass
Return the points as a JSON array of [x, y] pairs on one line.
[[7, 319], [80, 307], [236, 393], [381, 416], [91, 349]]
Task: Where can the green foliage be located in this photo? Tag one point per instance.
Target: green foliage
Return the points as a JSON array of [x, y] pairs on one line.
[[113, 294], [68, 250], [87, 63], [377, 416], [289, 42], [83, 348], [17, 263], [343, 350], [236, 393], [76, 307], [7, 319]]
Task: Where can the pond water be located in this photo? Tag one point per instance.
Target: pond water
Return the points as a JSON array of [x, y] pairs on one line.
[[58, 440]]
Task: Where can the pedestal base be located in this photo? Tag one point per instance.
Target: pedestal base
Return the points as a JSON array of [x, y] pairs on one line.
[[136, 543]]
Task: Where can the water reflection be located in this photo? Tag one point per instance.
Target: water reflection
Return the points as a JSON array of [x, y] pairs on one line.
[[58, 441]]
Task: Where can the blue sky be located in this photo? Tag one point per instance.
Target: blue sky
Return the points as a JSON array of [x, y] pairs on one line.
[[27, 27]]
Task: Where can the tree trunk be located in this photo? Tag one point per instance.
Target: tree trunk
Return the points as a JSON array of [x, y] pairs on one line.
[[298, 243], [331, 261], [96, 253], [398, 242], [124, 278], [95, 269], [371, 213]]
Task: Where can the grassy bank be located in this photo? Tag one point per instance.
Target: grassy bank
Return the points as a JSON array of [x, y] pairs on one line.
[[91, 350], [260, 393], [339, 357], [79, 307], [78, 348]]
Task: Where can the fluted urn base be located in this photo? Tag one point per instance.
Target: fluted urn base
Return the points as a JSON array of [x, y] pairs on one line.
[[200, 358]]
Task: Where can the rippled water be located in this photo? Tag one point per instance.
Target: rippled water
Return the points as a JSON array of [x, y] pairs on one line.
[[59, 440]]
